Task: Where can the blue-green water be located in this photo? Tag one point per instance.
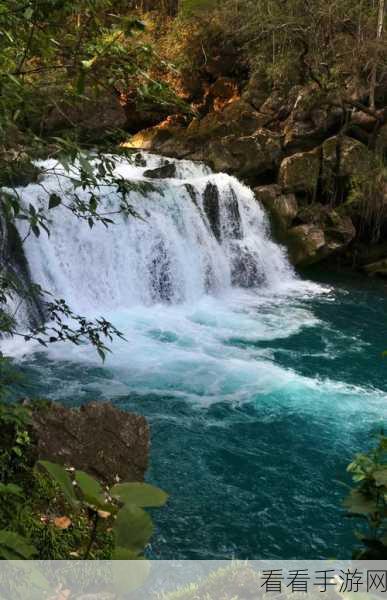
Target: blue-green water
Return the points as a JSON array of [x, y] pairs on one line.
[[256, 404]]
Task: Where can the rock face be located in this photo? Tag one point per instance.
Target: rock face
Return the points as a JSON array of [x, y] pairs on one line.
[[344, 156], [377, 268], [312, 242], [300, 172], [164, 172], [283, 208], [97, 438], [303, 152]]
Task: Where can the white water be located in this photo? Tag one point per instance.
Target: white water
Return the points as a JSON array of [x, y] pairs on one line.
[[170, 256], [223, 324], [167, 277]]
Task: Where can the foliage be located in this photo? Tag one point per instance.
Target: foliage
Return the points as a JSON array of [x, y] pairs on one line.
[[132, 526], [50, 512], [368, 501], [368, 194], [49, 83]]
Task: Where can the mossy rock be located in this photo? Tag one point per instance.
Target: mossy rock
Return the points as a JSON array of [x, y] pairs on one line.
[[282, 208], [305, 244], [300, 172], [344, 157], [378, 268]]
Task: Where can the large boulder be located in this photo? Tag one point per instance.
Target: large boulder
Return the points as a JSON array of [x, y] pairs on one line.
[[378, 268], [305, 244], [246, 156], [344, 156], [312, 242], [300, 172], [97, 438], [282, 208], [256, 89], [311, 119], [220, 137], [166, 171]]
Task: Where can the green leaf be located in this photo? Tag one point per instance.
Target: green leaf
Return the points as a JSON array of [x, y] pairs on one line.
[[91, 489], [13, 543], [133, 528], [62, 478], [10, 489], [139, 494], [125, 554], [54, 201], [358, 503]]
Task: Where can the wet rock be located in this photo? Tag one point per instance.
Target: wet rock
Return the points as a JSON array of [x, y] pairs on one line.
[[160, 274], [164, 172], [211, 208], [282, 208], [94, 114], [300, 172], [244, 268], [234, 217], [329, 233], [97, 438], [306, 244]]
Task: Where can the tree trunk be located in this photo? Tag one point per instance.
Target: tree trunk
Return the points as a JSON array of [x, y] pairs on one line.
[[379, 32]]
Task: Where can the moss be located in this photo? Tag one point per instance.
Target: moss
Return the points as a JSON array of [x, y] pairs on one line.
[[30, 510], [300, 172]]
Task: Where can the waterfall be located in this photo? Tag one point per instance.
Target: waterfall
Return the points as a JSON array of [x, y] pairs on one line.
[[199, 233]]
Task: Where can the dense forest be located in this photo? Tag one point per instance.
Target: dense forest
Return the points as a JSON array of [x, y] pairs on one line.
[[289, 96]]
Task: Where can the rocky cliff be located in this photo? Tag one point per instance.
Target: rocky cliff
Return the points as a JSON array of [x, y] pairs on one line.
[[310, 158]]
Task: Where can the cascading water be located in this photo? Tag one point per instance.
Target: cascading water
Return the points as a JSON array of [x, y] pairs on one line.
[[259, 386], [199, 233]]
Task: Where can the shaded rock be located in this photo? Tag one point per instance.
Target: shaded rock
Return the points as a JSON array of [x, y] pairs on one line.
[[377, 268], [344, 156], [238, 119], [211, 208], [164, 172], [94, 113], [312, 118], [312, 242], [244, 269], [366, 254], [234, 217], [19, 173], [282, 208], [300, 172], [246, 156], [381, 141], [305, 244], [97, 438], [256, 89], [222, 92]]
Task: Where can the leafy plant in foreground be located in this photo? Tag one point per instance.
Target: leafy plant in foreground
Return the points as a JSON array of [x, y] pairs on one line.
[[368, 500], [122, 503]]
